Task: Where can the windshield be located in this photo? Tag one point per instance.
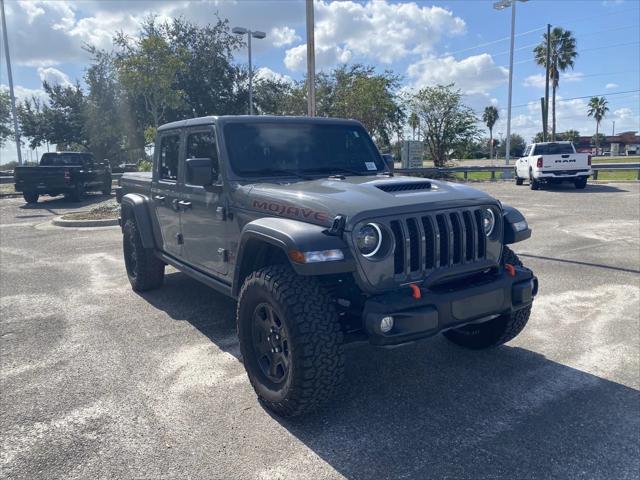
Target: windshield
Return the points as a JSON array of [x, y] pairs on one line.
[[294, 149], [553, 149], [62, 159]]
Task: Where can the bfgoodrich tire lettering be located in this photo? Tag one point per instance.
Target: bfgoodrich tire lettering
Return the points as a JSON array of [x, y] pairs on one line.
[[495, 332], [144, 269], [314, 339]]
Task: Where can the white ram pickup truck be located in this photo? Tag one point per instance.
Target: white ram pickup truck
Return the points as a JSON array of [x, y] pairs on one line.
[[553, 162]]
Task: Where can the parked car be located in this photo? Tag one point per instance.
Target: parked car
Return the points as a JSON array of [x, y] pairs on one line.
[[302, 222], [69, 173], [553, 162]]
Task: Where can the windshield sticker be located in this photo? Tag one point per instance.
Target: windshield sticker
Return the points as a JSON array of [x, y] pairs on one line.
[[355, 134], [371, 165]]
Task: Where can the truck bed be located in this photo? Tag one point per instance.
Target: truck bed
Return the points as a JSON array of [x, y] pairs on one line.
[[41, 177]]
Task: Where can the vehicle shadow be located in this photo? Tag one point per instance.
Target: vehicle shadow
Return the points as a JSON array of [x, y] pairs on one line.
[[434, 410], [590, 188], [60, 202]]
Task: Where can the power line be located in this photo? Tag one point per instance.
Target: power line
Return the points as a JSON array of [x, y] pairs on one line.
[[578, 98]]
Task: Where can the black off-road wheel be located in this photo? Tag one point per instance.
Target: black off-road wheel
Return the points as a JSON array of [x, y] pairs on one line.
[[290, 339], [495, 332], [77, 194], [31, 197], [144, 269], [581, 183], [106, 186]]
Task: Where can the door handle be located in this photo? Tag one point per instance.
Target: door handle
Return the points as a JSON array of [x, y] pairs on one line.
[[184, 204], [159, 198]]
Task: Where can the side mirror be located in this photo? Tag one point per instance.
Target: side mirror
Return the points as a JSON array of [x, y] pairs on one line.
[[388, 160], [200, 171]]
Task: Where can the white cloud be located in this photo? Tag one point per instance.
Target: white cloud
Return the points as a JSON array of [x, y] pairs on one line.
[[284, 36], [268, 74], [376, 30], [611, 86], [477, 74], [53, 76], [623, 113], [538, 80]]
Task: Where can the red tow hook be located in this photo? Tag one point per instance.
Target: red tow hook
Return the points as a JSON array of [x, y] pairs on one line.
[[415, 291], [511, 270]]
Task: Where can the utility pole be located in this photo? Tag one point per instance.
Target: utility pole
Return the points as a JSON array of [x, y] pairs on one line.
[[613, 131], [546, 86], [311, 62], [11, 92]]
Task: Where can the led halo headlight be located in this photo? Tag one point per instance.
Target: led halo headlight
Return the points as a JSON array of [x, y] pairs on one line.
[[369, 239], [488, 221]]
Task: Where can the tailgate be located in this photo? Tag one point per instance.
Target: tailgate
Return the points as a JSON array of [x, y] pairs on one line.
[[40, 177], [567, 161]]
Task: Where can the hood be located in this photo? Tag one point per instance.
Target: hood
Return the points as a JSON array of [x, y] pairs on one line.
[[356, 197]]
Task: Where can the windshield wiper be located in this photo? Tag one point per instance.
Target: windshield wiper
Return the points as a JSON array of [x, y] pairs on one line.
[[278, 172]]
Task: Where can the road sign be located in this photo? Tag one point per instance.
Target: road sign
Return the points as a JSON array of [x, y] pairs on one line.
[[411, 154]]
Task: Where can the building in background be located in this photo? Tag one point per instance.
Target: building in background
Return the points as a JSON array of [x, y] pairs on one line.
[[625, 143]]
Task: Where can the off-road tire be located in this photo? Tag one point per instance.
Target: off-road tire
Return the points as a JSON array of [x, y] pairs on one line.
[[580, 183], [77, 194], [533, 183], [495, 332], [31, 197], [519, 180], [144, 269], [314, 339], [106, 186]]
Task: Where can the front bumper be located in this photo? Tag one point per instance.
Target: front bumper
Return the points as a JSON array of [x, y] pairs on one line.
[[447, 307]]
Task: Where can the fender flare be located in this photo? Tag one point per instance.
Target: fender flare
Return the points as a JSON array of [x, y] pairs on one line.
[[286, 235], [512, 216], [135, 205]]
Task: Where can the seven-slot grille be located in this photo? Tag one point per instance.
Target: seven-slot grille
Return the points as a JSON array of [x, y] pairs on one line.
[[436, 240]]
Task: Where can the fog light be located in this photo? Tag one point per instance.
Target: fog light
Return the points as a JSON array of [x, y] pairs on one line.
[[386, 324]]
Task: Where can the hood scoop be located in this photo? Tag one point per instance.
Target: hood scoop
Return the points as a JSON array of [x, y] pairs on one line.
[[393, 187]]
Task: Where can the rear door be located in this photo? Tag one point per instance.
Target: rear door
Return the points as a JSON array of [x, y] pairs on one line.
[[165, 193], [203, 209]]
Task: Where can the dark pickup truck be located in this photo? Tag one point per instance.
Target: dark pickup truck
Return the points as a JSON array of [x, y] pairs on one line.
[[302, 222], [69, 173]]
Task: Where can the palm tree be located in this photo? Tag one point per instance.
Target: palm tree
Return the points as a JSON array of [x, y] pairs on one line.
[[563, 53], [414, 122], [490, 117], [597, 109], [572, 136]]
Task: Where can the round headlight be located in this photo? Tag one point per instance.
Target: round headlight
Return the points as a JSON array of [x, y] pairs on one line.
[[488, 221], [369, 239]]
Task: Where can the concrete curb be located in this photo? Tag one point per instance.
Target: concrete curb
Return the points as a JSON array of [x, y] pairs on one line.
[[108, 222], [10, 195]]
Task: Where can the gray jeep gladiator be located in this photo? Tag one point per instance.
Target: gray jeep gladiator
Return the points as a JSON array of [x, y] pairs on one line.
[[303, 222]]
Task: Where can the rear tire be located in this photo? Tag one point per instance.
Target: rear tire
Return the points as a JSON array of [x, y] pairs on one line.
[[533, 183], [31, 197], [581, 183], [495, 332], [77, 194], [519, 180], [144, 269], [106, 187], [290, 339]]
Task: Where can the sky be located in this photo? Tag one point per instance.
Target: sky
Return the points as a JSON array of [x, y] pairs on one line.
[[465, 42]]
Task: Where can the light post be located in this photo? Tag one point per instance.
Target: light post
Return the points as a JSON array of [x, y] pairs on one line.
[[12, 95], [501, 5], [250, 34]]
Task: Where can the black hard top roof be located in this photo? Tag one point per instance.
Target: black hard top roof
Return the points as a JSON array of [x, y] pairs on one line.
[[193, 122]]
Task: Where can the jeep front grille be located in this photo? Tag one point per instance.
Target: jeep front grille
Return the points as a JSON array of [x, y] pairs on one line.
[[438, 240]]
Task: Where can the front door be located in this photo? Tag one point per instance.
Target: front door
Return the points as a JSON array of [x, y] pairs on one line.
[[165, 194], [203, 214]]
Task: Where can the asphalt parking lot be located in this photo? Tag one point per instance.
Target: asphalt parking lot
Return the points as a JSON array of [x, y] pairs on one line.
[[97, 381]]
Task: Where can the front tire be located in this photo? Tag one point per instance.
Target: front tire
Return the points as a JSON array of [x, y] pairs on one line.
[[144, 269], [106, 186], [290, 339], [495, 332], [31, 197]]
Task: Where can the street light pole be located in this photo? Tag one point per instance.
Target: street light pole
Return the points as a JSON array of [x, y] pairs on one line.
[[255, 34], [311, 62], [16, 131], [501, 5]]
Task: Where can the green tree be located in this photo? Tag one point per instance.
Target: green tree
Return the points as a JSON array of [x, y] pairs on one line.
[[563, 54], [598, 139], [572, 136], [33, 126], [148, 67], [414, 123], [516, 147], [447, 121], [597, 109], [5, 116], [63, 117], [490, 117]]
